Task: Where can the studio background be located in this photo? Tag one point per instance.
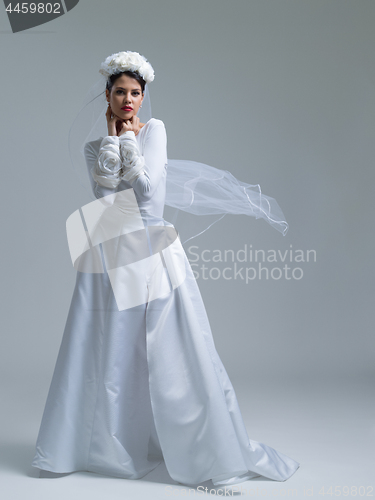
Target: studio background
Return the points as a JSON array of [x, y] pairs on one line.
[[280, 93]]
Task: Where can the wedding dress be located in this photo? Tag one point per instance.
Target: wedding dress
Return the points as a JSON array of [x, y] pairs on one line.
[[138, 379]]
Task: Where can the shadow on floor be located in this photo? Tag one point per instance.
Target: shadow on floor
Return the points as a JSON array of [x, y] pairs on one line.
[[17, 457]]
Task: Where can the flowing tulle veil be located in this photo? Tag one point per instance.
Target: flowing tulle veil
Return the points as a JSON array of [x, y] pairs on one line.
[[203, 193]]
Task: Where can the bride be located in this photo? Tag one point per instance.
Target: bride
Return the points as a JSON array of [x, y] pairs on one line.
[[138, 379]]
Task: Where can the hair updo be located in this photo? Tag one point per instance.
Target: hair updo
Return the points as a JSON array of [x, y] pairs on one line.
[[132, 74]]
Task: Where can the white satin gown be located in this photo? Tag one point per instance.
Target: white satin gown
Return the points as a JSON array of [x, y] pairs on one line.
[[138, 379]]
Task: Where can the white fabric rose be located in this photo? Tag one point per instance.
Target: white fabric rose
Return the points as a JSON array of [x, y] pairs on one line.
[[109, 161], [132, 61], [132, 160], [129, 154], [130, 174], [107, 168]]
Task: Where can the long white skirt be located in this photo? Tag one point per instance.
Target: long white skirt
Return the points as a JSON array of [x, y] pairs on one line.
[[138, 379]]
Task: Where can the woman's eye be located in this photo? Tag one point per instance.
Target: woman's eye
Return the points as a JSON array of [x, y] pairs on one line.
[[121, 92]]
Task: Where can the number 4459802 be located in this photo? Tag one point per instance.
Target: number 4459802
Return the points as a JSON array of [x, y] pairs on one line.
[[34, 8], [345, 491]]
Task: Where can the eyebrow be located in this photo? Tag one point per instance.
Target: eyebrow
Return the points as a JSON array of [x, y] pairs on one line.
[[122, 88]]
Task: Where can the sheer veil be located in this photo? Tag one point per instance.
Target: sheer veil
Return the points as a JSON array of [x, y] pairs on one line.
[[197, 195]]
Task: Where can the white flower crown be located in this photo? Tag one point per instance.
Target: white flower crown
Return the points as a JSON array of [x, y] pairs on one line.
[[127, 61]]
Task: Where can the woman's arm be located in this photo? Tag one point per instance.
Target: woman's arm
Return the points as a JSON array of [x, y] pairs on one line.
[[144, 172], [105, 166]]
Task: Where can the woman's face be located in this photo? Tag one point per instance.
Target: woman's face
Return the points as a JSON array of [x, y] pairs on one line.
[[125, 97]]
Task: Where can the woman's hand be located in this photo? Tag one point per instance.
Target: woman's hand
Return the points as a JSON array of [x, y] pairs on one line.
[[114, 122], [133, 124]]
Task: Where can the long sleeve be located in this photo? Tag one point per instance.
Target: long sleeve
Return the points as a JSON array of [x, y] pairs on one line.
[[104, 166], [144, 172]]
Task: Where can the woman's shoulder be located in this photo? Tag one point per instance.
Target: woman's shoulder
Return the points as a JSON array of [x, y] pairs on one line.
[[152, 123]]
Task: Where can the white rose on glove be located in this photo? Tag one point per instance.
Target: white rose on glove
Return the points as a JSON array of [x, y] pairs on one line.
[[130, 174], [107, 168], [129, 155], [109, 162]]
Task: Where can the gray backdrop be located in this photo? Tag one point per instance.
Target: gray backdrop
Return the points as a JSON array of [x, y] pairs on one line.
[[280, 93]]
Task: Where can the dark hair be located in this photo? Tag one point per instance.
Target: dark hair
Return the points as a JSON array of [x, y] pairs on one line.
[[132, 74]]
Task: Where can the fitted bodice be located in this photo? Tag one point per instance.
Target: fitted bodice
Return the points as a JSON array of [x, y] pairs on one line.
[[149, 149]]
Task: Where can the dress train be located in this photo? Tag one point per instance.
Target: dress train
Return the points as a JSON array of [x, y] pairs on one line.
[[137, 386]]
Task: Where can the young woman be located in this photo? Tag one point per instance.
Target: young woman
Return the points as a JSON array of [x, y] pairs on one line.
[[138, 379]]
